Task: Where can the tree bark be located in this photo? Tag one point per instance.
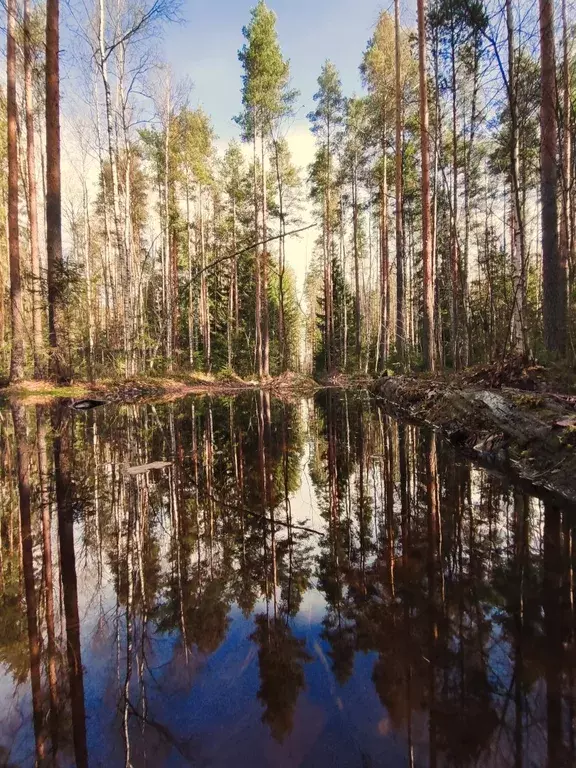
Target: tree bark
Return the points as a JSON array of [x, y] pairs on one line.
[[400, 298], [428, 341], [53, 191], [553, 273], [519, 337], [37, 325], [16, 303]]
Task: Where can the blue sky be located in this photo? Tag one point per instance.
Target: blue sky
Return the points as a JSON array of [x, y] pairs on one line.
[[205, 48]]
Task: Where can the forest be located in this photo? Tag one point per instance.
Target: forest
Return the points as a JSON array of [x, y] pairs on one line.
[[441, 199]]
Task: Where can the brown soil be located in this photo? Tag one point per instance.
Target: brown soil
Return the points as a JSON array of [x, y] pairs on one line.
[[134, 390], [517, 420]]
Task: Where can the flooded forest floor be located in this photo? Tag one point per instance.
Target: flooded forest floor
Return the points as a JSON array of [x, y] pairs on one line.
[[518, 419]]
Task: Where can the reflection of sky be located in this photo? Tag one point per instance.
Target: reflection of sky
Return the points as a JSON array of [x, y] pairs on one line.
[[204, 709]]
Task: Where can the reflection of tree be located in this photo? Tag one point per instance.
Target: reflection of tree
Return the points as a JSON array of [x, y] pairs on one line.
[[459, 588], [281, 659], [65, 507]]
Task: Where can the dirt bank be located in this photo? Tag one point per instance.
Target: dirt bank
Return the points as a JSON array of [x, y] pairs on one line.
[[530, 434], [142, 389]]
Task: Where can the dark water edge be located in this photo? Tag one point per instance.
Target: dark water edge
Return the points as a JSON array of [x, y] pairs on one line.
[[307, 583]]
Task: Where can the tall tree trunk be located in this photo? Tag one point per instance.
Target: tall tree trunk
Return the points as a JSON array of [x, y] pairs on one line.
[[357, 312], [554, 275], [53, 192], [384, 261], [519, 337], [454, 255], [16, 303], [257, 267], [400, 298], [428, 341], [37, 329], [566, 154], [113, 159], [190, 281], [329, 289], [265, 316], [167, 243]]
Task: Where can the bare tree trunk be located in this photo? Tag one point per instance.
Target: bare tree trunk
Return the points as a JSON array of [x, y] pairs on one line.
[[554, 276], [167, 245], [190, 282], [204, 306], [88, 278], [400, 298], [113, 158], [16, 303], [53, 192], [428, 345], [357, 312], [257, 268], [384, 262], [37, 330], [519, 337], [264, 286], [454, 255], [566, 155], [329, 288]]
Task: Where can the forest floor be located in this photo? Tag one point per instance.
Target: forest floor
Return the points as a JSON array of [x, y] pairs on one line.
[[517, 419], [155, 388]]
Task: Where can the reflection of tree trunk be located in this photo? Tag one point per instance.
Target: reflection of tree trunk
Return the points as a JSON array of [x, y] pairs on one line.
[[22, 458], [521, 550], [433, 530], [553, 622], [70, 588], [48, 581]]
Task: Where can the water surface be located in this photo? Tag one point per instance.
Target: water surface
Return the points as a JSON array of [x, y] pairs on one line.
[[303, 583]]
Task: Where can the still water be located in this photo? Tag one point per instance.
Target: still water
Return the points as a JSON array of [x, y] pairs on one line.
[[299, 583]]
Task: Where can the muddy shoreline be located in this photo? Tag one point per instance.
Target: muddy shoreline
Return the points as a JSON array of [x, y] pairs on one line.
[[157, 389], [528, 435]]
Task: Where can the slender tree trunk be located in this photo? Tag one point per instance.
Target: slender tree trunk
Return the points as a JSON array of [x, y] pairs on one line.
[[265, 316], [357, 312], [167, 244], [554, 275], [53, 192], [16, 302], [518, 248], [566, 155], [88, 277], [429, 348], [257, 268], [384, 261], [454, 255], [400, 298], [190, 281], [37, 329], [329, 289]]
